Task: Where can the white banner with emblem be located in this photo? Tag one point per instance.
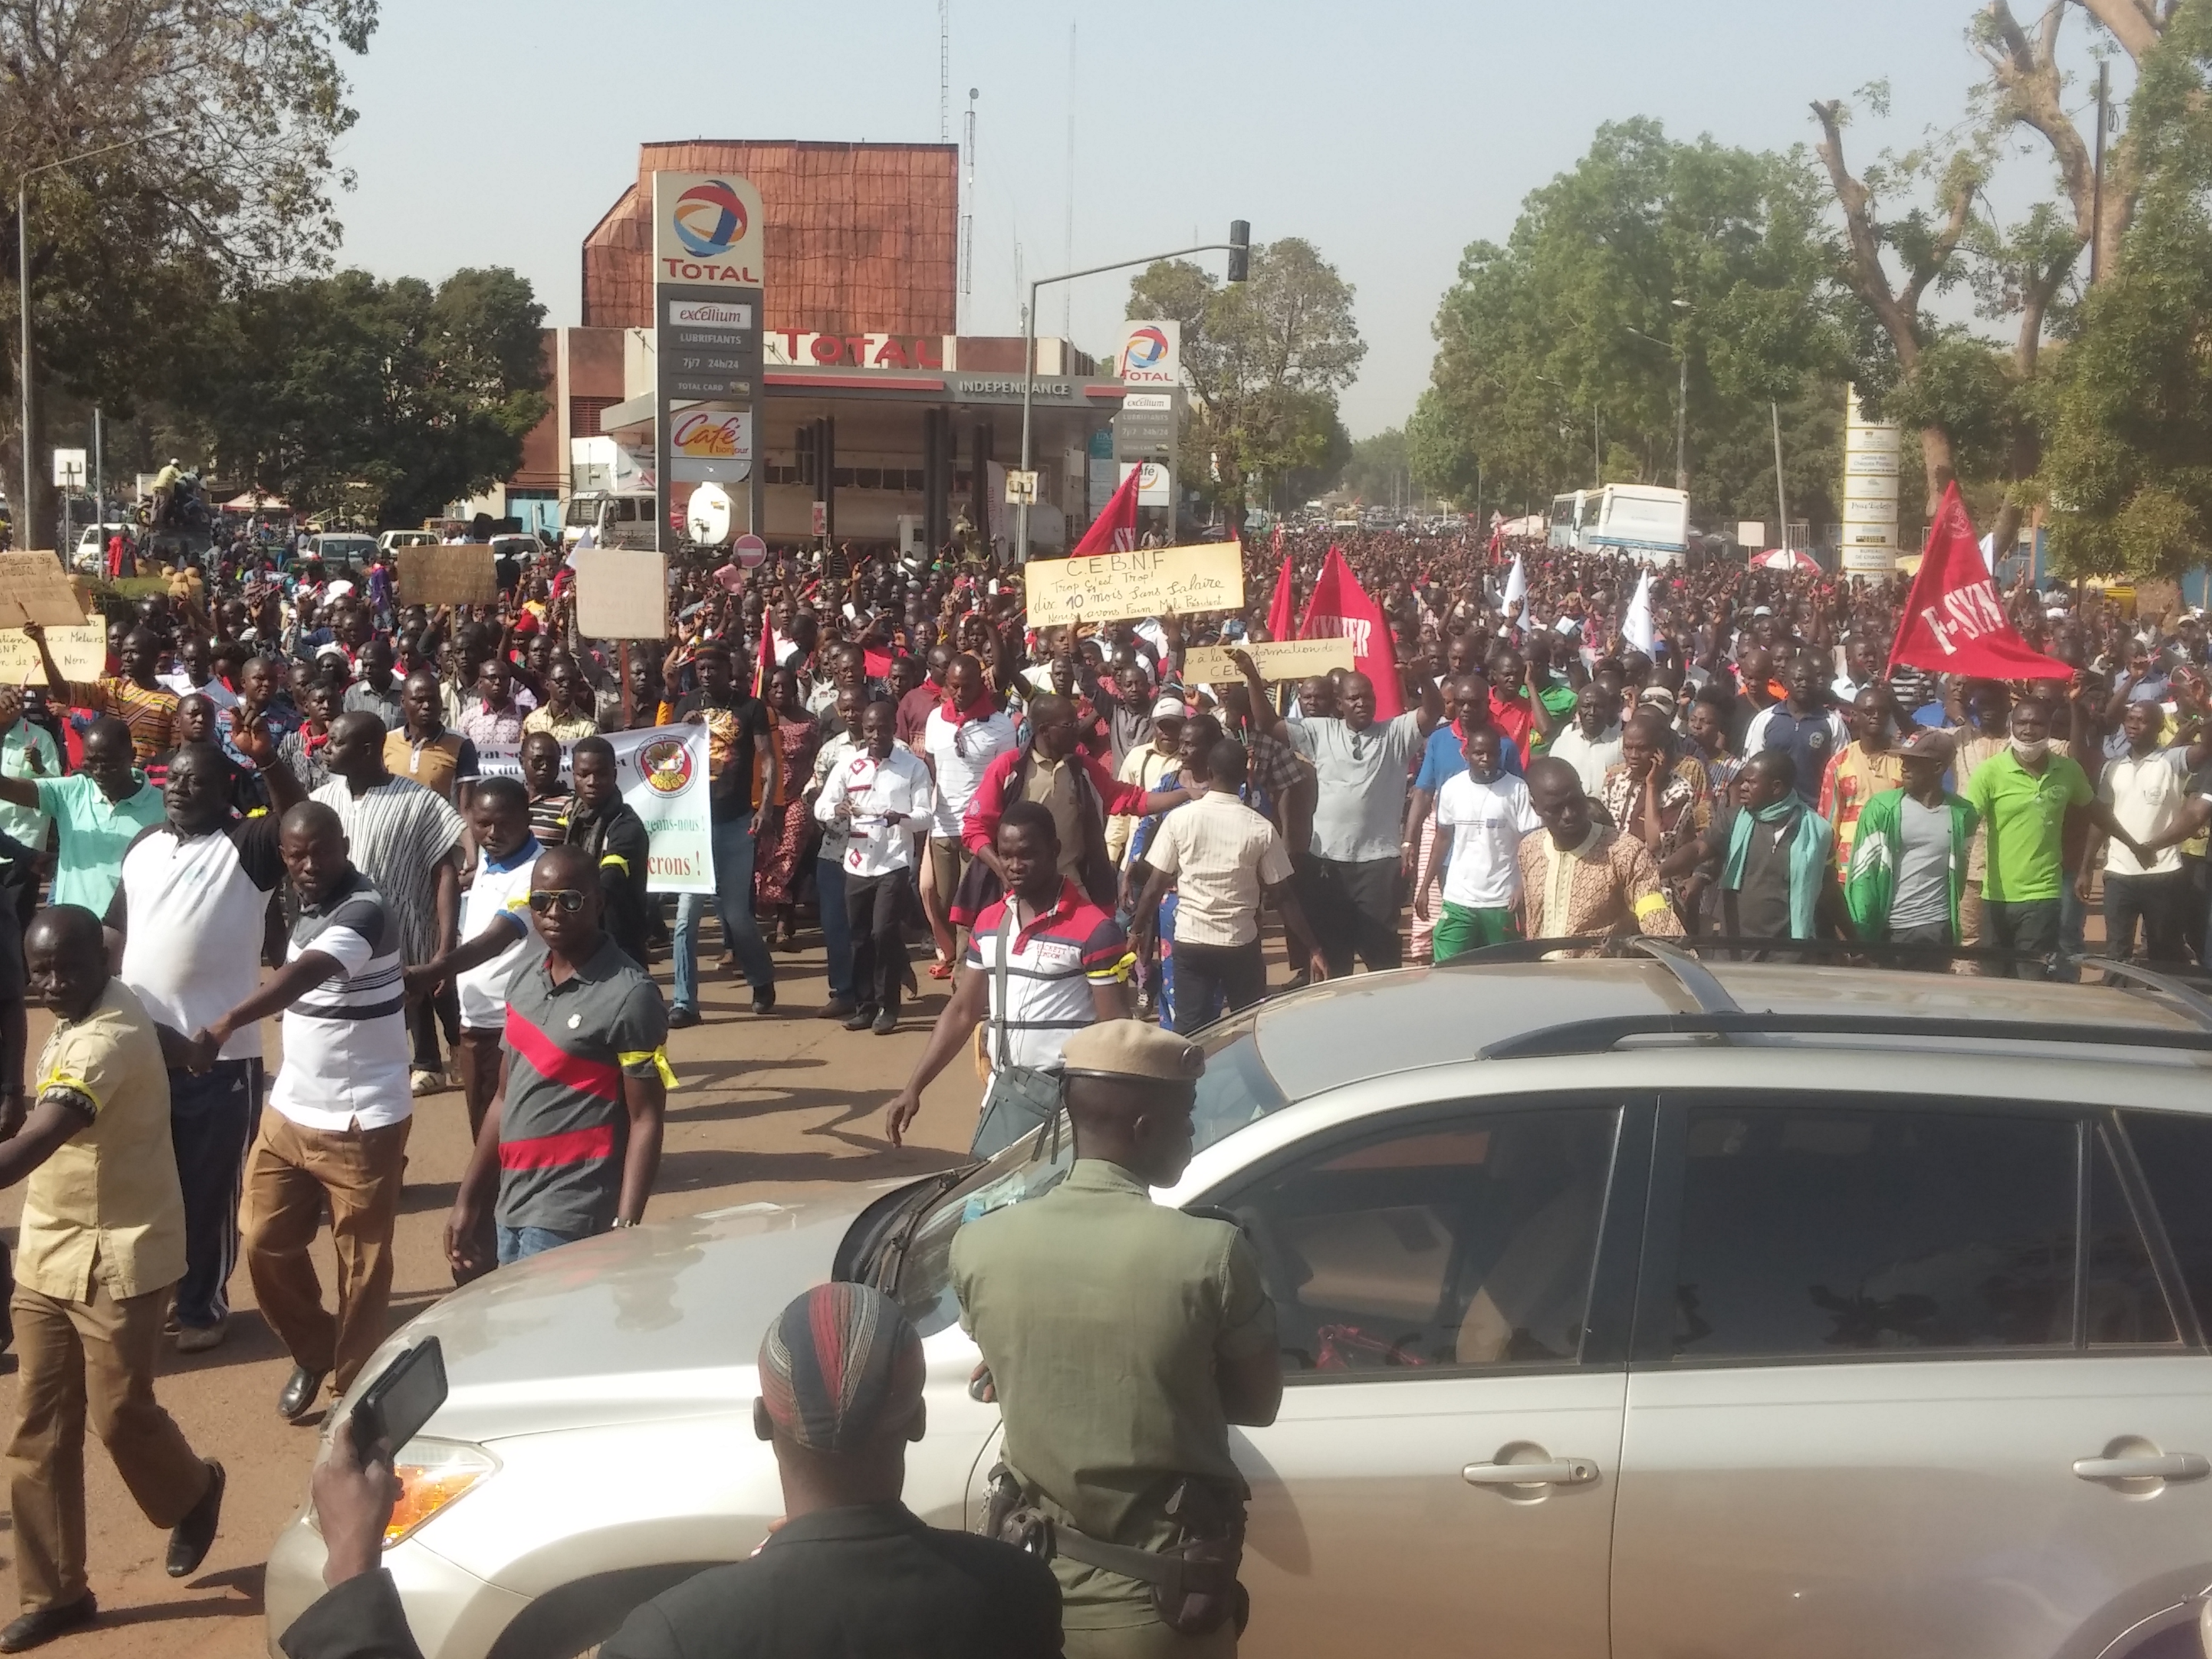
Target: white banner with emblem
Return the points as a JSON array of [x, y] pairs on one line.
[[662, 773]]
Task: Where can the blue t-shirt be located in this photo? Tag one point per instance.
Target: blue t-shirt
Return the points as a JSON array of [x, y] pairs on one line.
[[1444, 759]]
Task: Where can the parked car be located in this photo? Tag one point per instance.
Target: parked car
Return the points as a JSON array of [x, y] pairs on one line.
[[342, 554], [392, 540], [1633, 1307], [90, 556]]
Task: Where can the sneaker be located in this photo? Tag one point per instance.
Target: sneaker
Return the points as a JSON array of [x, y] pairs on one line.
[[860, 1019], [427, 1083], [680, 1017], [198, 1339], [764, 999], [886, 1022]]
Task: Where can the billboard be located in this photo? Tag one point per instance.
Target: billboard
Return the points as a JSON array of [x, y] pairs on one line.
[[707, 230], [708, 254], [1871, 454]]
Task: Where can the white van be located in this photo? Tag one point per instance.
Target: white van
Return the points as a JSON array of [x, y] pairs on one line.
[[1646, 522]]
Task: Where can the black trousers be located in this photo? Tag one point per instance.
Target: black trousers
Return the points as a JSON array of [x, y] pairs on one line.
[[1353, 909], [2027, 927], [876, 909], [1240, 971], [211, 1123], [424, 1017], [2159, 902]]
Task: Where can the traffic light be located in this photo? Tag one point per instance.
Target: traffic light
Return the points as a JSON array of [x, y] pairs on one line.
[[1240, 250]]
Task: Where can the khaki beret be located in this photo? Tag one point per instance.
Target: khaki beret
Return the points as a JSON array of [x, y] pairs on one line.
[[1130, 1048]]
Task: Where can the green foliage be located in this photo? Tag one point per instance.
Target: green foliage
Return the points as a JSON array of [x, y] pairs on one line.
[[1379, 465], [1266, 359], [2128, 468], [1649, 252], [373, 400]]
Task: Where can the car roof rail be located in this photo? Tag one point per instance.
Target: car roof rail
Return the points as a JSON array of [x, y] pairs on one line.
[[1692, 976], [1591, 1036], [2138, 980]]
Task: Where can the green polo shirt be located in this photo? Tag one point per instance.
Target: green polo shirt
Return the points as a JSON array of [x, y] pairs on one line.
[[2026, 815], [1102, 1316], [92, 833]]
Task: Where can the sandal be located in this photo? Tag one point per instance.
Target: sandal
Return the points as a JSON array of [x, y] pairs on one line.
[[941, 969]]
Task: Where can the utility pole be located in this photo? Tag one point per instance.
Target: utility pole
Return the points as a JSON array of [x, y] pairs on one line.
[[99, 477], [1068, 241], [1682, 427], [1781, 495], [968, 214], [944, 72]]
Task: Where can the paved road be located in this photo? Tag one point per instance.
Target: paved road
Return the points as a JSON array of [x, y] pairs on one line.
[[785, 1101]]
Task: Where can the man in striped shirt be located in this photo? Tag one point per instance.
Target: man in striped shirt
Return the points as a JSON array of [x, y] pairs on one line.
[[572, 1142], [1068, 964], [335, 1130], [405, 839]]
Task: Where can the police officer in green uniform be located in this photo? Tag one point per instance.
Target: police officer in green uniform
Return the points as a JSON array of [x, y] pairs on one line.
[[1122, 1339]]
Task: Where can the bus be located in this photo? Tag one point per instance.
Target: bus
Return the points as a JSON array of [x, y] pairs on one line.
[[1644, 522]]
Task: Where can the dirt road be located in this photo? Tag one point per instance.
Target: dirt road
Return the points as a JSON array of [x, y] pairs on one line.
[[775, 1102]]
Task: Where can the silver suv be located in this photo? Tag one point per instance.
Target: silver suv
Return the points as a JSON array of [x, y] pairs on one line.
[[1633, 1308]]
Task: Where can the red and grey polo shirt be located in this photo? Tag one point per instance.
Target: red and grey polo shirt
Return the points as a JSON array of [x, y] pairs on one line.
[[563, 1130], [1055, 958]]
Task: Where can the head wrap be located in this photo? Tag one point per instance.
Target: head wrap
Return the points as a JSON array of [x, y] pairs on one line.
[[840, 1365]]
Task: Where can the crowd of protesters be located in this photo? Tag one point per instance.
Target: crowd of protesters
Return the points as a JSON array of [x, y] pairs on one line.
[[400, 830]]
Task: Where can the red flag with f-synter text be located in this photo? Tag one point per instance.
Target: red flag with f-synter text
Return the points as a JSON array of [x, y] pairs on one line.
[[1955, 622]]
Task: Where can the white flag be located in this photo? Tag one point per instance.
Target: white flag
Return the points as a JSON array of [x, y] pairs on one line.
[[1516, 584], [1635, 627]]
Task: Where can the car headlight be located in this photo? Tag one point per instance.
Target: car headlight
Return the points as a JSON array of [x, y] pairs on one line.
[[433, 1475]]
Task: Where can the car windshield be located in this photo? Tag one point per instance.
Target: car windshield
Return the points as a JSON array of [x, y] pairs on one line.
[[1235, 1090]]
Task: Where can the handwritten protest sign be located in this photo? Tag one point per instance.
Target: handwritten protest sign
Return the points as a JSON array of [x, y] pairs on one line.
[[1150, 582], [80, 652], [621, 595], [433, 576], [35, 588], [1283, 660]]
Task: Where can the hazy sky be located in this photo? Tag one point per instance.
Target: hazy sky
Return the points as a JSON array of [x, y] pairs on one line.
[[1390, 133]]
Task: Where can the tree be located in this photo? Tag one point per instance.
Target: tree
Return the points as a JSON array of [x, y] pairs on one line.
[[1650, 257], [233, 105], [1381, 467], [382, 400], [1264, 358], [2129, 471]]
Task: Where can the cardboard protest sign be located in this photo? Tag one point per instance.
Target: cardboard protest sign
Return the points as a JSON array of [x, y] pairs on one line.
[[1148, 582], [1283, 659], [432, 576], [621, 594], [80, 652], [34, 587]]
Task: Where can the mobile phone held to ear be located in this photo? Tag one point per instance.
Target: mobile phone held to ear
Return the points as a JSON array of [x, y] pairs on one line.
[[405, 1396]]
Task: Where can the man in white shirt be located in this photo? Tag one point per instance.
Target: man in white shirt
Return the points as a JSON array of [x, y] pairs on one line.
[[878, 796], [1591, 743], [1486, 810], [335, 1134], [962, 736], [1223, 860], [2148, 789]]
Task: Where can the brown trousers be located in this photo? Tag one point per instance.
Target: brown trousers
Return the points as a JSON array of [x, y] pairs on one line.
[[289, 1173], [75, 1359]]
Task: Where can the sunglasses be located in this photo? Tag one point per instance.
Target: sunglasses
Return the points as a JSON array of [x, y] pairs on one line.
[[567, 900]]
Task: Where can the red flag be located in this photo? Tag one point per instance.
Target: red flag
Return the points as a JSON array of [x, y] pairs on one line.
[[1114, 530], [766, 665], [1279, 609], [1339, 608], [1955, 622]]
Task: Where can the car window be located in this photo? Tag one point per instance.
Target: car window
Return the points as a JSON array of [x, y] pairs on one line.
[[1235, 1088], [1460, 1243], [1029, 1169], [2175, 1151], [1814, 1233], [2124, 1304]]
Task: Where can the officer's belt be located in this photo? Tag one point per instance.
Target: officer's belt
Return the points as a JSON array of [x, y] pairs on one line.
[[1145, 1564]]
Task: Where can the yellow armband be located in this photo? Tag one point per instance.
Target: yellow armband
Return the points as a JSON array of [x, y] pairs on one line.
[[1650, 906], [660, 1059]]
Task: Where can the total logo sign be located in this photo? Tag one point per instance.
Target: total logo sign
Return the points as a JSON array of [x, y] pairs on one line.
[[1152, 353], [707, 228]]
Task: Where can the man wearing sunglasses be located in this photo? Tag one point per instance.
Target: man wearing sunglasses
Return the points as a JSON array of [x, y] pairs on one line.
[[571, 1144]]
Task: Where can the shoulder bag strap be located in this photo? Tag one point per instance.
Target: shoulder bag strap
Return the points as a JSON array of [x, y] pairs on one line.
[[1002, 1057]]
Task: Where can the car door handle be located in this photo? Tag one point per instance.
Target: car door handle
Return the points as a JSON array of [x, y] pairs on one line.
[[2167, 1466], [1565, 1472]]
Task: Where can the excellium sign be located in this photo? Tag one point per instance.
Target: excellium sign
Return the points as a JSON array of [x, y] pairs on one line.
[[706, 230]]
